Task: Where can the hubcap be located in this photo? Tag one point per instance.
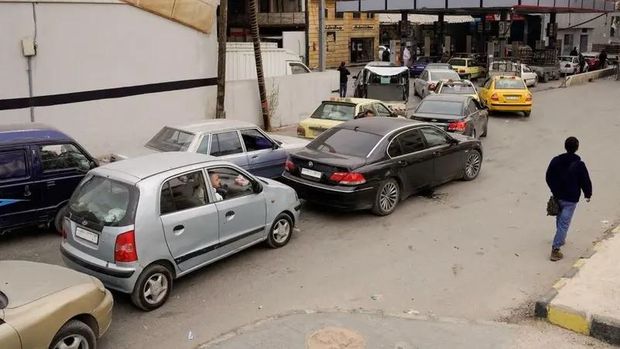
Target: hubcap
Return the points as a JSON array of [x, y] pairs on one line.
[[281, 231], [389, 197], [74, 341], [155, 288], [473, 165]]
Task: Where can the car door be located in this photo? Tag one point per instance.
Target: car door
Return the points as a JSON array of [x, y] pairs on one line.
[[63, 165], [241, 207], [228, 146], [474, 116], [484, 91], [447, 158], [189, 219], [265, 157], [20, 197], [409, 154]]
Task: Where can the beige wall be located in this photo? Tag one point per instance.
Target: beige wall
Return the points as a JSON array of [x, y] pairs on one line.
[[198, 14], [340, 49]]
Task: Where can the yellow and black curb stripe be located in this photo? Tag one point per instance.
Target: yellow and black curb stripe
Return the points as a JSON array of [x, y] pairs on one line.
[[600, 327]]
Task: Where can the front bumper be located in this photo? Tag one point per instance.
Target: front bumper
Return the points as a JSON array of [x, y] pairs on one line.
[[340, 197]]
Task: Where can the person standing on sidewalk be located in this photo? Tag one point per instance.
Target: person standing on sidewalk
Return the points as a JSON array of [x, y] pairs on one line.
[[567, 176], [344, 78]]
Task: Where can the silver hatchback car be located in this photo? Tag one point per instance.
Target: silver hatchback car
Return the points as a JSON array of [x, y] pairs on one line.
[[140, 223]]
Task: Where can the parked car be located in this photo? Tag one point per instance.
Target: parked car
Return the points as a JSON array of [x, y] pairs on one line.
[[459, 87], [386, 82], [508, 68], [374, 163], [467, 68], [338, 110], [454, 113], [506, 93], [47, 306], [140, 223], [439, 66], [570, 65], [592, 60], [426, 83], [241, 143], [39, 168], [420, 65]]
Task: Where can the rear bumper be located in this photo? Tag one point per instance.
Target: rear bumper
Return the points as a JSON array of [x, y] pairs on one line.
[[343, 198], [510, 107]]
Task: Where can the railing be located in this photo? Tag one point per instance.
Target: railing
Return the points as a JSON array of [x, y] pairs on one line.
[[281, 18]]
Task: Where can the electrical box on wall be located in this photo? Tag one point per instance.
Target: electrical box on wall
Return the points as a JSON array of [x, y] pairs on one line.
[[29, 48]]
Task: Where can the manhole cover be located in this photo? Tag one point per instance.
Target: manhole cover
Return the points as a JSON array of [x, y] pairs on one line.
[[335, 338]]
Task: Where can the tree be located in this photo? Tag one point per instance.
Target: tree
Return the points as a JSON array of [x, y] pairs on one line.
[[222, 29], [259, 64]]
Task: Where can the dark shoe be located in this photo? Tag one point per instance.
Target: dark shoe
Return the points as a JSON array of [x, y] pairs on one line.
[[556, 255]]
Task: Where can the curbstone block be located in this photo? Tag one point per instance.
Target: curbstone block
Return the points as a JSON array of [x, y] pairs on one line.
[[572, 272], [568, 318], [616, 230], [605, 329], [558, 285], [541, 307]]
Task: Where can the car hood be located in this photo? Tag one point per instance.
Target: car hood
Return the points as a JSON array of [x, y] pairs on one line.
[[288, 142], [132, 153], [439, 117], [332, 159], [24, 282]]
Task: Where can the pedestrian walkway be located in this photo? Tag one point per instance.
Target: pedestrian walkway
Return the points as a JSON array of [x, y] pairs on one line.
[[587, 300], [362, 330]]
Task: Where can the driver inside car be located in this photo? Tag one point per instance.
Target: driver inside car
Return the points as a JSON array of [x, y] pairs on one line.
[[220, 190]]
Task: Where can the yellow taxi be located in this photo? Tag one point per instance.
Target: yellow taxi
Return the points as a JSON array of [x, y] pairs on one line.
[[457, 87], [506, 93], [467, 68], [338, 110]]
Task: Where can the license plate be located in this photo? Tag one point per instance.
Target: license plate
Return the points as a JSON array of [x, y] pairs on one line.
[[87, 235], [512, 98], [311, 173]]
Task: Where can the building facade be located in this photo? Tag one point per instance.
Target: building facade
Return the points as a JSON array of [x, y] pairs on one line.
[[587, 32], [350, 37]]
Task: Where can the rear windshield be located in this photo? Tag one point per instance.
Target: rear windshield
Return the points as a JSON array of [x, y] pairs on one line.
[[509, 84], [458, 89], [440, 107], [459, 62], [104, 201], [170, 139], [334, 111], [345, 142], [444, 75]]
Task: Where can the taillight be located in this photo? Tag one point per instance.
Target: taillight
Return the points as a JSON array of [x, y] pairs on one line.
[[528, 98], [348, 178], [301, 131], [462, 71], [289, 166], [495, 97], [125, 248], [458, 126]]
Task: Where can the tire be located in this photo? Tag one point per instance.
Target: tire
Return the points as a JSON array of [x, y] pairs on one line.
[[281, 231], [74, 334], [473, 164], [58, 219], [158, 279], [527, 113], [387, 198]]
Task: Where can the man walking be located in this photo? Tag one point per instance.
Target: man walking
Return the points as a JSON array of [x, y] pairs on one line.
[[567, 176], [344, 79], [574, 51], [602, 58]]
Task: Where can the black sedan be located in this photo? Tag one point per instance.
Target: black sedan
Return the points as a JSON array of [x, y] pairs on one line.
[[374, 163], [454, 113]]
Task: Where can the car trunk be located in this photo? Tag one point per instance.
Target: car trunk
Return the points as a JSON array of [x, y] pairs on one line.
[[512, 96], [439, 120], [318, 166]]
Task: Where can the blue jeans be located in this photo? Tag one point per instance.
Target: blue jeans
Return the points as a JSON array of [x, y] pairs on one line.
[[562, 222], [343, 89]]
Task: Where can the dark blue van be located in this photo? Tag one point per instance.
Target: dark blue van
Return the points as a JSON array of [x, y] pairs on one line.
[[39, 169]]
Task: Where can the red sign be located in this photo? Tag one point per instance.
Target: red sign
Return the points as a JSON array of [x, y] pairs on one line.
[[496, 17]]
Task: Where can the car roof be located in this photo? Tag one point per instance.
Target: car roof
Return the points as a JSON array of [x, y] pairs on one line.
[[29, 133], [378, 125], [355, 101], [506, 77], [149, 165], [446, 98], [215, 125]]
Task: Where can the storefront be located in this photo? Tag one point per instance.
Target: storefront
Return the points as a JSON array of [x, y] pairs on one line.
[[362, 50]]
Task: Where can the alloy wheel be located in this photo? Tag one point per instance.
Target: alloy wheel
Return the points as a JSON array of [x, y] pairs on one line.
[[155, 288], [74, 341], [389, 197], [281, 231], [472, 166]]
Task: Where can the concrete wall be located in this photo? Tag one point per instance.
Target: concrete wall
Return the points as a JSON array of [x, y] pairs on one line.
[[580, 79]]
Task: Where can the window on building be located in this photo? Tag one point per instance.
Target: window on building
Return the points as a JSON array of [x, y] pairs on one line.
[[263, 6], [357, 15], [326, 13], [340, 15]]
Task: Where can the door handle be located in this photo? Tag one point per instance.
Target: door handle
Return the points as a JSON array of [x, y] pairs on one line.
[[437, 153], [27, 192], [51, 184], [254, 156], [178, 227], [178, 230], [402, 163], [230, 215]]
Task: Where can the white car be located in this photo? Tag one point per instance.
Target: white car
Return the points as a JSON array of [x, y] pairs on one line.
[[426, 83], [569, 64]]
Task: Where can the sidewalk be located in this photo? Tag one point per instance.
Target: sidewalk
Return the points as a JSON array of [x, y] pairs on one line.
[[360, 330], [587, 299]]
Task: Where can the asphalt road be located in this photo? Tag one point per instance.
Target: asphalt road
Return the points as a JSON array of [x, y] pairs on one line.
[[475, 250]]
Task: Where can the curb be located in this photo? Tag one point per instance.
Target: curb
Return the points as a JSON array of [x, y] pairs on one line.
[[599, 327]]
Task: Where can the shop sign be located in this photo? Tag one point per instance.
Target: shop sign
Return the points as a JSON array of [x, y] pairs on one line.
[[363, 27], [333, 27], [496, 17]]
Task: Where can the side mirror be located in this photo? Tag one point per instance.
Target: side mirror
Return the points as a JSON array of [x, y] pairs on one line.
[[276, 145], [257, 187], [93, 164]]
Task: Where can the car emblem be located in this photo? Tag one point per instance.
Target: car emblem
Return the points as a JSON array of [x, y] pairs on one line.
[[310, 164], [84, 223]]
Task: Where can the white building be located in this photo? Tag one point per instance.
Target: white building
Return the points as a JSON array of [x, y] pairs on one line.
[[584, 30]]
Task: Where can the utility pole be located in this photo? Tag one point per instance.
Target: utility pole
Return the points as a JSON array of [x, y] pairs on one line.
[[322, 35], [222, 29], [259, 64]]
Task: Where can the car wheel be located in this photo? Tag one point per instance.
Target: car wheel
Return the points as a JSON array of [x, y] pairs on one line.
[[388, 196], [152, 288], [527, 113], [281, 231], [58, 219], [473, 163], [74, 335]]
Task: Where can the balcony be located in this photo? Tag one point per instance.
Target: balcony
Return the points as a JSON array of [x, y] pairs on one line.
[[267, 19]]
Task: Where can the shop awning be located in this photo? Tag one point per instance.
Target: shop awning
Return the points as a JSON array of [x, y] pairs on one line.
[[424, 19]]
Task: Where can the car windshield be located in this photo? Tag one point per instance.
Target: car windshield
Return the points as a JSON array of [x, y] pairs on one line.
[[334, 111], [346, 142], [444, 75], [458, 62], [440, 107], [458, 89], [509, 84], [104, 201], [170, 139], [566, 59]]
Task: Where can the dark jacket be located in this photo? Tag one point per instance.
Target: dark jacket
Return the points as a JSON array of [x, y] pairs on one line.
[[343, 74], [567, 176]]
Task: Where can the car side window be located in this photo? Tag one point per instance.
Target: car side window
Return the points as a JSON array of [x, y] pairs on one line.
[[487, 84], [434, 137], [57, 157], [203, 148], [411, 141], [298, 69], [227, 183], [13, 165], [183, 192], [471, 107], [226, 143], [255, 140], [381, 110]]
